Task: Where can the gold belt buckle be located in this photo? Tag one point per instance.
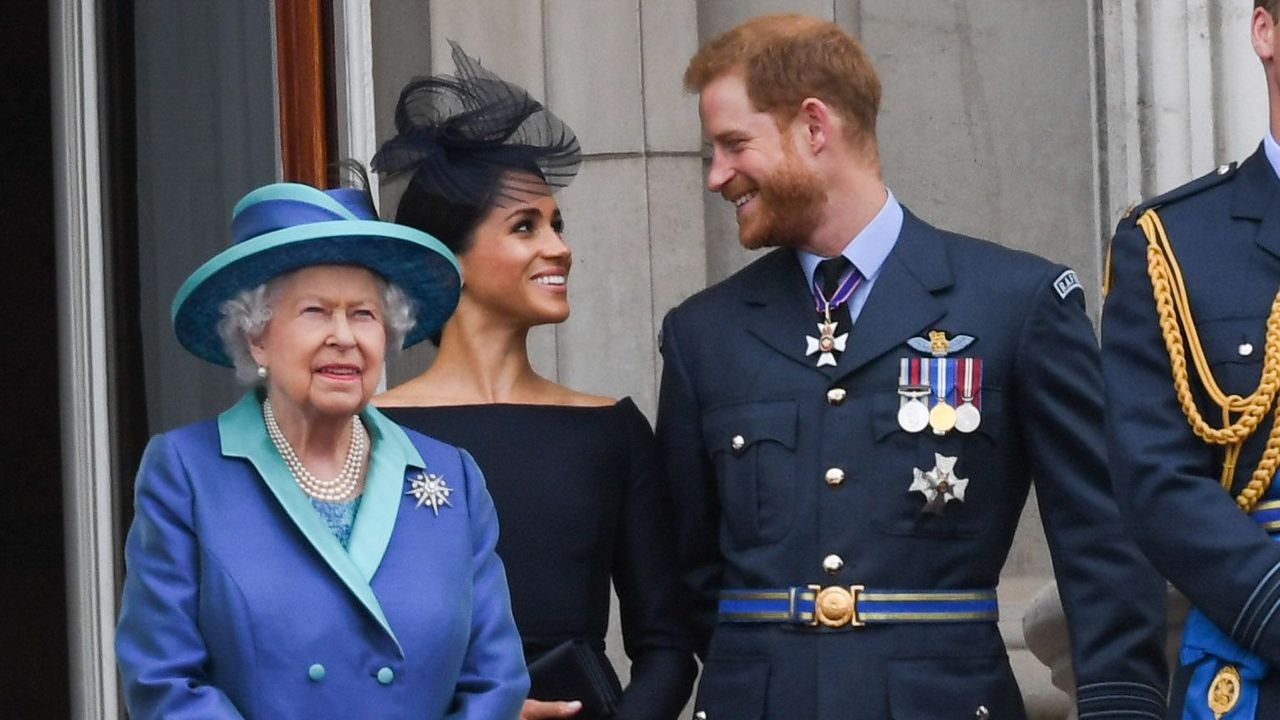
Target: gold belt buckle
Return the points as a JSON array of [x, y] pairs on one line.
[[836, 606]]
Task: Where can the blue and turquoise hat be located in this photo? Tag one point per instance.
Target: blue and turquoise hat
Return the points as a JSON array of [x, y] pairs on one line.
[[284, 227]]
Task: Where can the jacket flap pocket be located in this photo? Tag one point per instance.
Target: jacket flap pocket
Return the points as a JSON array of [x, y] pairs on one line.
[[1232, 340], [959, 687], [733, 688], [737, 427]]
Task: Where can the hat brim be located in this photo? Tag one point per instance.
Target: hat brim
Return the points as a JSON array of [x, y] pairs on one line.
[[416, 262]]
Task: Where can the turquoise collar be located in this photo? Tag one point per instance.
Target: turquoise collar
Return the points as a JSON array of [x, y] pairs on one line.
[[244, 435]]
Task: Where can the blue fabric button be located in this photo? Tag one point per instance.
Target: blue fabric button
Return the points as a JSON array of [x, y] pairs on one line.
[[385, 676], [316, 672]]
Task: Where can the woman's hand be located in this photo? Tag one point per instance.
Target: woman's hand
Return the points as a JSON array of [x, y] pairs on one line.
[[542, 710]]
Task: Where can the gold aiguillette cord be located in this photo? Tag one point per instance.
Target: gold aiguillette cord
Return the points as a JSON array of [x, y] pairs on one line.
[[1174, 312]]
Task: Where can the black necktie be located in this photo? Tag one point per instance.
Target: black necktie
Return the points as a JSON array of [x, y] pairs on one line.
[[829, 273]]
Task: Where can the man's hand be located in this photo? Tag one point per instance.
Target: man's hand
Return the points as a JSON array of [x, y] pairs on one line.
[[543, 710]]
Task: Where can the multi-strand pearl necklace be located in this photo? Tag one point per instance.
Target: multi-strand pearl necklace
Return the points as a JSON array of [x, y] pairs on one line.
[[343, 485]]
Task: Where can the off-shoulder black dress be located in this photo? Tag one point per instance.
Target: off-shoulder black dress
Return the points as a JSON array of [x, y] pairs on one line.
[[580, 501]]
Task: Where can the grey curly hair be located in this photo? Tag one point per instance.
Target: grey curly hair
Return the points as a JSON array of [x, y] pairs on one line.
[[245, 318]]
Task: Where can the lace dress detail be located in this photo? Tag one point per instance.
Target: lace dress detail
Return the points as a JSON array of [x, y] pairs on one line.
[[339, 516]]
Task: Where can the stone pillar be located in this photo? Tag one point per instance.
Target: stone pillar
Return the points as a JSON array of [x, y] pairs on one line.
[[1180, 91]]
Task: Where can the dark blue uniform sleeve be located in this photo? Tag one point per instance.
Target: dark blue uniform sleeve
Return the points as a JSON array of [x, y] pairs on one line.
[[1167, 478], [647, 580], [1113, 599], [693, 489], [492, 682], [159, 646]]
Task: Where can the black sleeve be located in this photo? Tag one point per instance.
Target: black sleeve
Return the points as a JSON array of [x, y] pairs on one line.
[[693, 489], [647, 581]]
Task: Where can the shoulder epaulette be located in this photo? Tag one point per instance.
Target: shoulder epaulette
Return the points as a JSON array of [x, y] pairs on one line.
[[1131, 215], [1204, 182]]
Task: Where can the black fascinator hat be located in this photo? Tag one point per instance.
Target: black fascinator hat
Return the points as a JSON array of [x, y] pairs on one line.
[[460, 135]]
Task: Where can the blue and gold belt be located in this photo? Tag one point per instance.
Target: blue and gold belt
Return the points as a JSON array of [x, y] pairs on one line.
[[855, 606]]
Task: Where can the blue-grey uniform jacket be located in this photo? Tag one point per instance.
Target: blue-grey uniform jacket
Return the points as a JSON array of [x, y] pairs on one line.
[[1224, 230], [750, 428]]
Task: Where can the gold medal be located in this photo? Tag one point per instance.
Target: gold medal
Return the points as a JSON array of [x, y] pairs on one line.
[[1224, 691], [942, 418]]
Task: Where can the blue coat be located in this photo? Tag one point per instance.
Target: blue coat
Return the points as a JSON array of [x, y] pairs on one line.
[[240, 602], [750, 429], [1224, 229]]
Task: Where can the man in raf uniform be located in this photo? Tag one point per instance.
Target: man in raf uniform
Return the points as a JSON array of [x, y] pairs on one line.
[[851, 424], [1191, 359]]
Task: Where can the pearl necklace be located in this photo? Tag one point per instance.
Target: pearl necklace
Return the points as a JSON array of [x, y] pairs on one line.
[[343, 485]]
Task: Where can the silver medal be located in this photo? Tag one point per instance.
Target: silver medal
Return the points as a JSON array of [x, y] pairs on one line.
[[913, 416], [913, 412], [968, 418]]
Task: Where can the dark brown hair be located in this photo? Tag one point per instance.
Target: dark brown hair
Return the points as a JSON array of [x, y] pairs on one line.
[[784, 59]]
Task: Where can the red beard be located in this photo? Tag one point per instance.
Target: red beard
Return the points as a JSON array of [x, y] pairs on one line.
[[788, 207]]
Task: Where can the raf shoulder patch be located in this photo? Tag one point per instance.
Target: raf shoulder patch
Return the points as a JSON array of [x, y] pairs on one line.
[[1066, 283]]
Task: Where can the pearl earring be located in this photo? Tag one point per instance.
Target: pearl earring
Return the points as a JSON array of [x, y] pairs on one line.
[[262, 371]]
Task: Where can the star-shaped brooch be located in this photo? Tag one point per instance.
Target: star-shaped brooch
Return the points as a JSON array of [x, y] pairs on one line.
[[827, 344], [939, 485], [429, 489]]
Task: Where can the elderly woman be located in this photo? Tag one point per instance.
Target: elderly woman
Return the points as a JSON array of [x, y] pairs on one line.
[[575, 477], [300, 555]]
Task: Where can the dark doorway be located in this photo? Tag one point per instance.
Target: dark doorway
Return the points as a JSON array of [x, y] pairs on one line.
[[32, 565]]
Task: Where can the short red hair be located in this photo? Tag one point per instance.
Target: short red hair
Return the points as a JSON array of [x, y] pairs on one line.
[[784, 59]]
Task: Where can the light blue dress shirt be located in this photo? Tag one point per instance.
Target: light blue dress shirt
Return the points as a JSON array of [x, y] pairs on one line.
[[1273, 152], [867, 251]]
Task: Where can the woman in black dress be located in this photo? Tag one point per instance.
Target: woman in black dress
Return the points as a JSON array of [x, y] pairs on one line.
[[575, 477]]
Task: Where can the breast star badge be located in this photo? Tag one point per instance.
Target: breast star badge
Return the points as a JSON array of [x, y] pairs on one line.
[[939, 485], [827, 344], [429, 489]]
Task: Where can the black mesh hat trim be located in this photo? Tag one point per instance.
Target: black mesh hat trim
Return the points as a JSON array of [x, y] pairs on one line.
[[460, 135]]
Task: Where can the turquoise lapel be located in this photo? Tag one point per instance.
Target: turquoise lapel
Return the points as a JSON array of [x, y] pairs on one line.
[[243, 435], [384, 486]]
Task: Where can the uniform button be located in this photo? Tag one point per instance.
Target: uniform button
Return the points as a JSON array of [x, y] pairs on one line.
[[982, 713], [1224, 169], [738, 442], [316, 672], [700, 715], [836, 396], [1245, 349], [834, 476], [832, 564], [385, 676]]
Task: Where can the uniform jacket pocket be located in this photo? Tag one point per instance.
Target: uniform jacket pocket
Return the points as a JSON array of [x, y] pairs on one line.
[[733, 688], [944, 688], [1235, 348], [752, 446], [898, 454]]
